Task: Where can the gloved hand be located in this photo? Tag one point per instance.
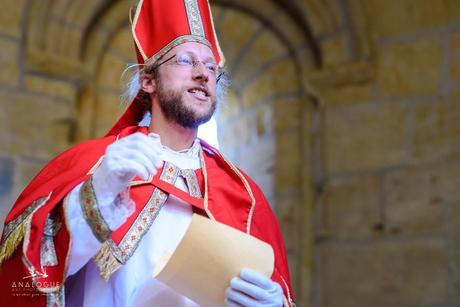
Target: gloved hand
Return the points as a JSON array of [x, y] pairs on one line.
[[133, 155], [253, 289]]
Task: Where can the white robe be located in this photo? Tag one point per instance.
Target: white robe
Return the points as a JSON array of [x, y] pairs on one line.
[[132, 284]]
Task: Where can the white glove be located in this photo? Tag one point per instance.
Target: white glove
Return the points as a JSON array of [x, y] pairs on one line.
[[253, 289], [134, 155]]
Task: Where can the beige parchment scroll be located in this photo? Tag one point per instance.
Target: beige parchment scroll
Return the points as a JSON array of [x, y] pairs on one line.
[[209, 256]]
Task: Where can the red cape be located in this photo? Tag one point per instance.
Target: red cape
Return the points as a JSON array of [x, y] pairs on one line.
[[229, 199]]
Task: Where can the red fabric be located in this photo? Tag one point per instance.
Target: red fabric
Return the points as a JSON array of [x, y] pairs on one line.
[[166, 21], [131, 117], [171, 189], [228, 201]]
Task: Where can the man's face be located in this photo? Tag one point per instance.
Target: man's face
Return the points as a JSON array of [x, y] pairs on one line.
[[186, 85]]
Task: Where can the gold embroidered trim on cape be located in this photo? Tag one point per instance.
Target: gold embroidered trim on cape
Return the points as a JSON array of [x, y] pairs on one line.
[[192, 182], [205, 178], [56, 298], [112, 256], [14, 231], [106, 261], [91, 212], [33, 270]]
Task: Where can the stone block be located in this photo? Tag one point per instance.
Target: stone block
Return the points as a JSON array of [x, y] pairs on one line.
[[305, 59], [410, 68], [7, 169], [288, 163], [286, 208], [437, 128], [229, 108], [108, 109], [52, 41], [80, 13], [453, 222], [5, 136], [359, 31], [115, 17], [290, 29], [32, 122], [324, 16], [413, 204], [122, 45], [51, 87], [351, 208], [287, 112], [337, 77], [96, 41], [365, 137], [347, 95], [395, 18], [265, 48], [445, 179], [455, 55], [10, 17], [259, 157], [264, 120], [59, 8], [234, 38], [109, 74], [72, 40], [54, 65], [27, 169], [8, 62], [392, 273], [335, 50], [279, 78], [235, 135]]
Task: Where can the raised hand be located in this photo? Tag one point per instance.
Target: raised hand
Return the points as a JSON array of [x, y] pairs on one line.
[[132, 156]]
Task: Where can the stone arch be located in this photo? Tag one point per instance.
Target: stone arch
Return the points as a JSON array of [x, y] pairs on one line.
[[267, 122], [108, 49]]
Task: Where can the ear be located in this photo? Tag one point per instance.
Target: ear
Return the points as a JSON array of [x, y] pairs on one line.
[[148, 84]]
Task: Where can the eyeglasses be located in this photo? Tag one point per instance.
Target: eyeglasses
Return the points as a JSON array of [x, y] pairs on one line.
[[188, 59]]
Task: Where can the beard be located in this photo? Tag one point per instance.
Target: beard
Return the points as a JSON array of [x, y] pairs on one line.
[[174, 108]]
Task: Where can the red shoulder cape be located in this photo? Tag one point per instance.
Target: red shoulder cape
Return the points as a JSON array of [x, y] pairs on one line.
[[228, 200]]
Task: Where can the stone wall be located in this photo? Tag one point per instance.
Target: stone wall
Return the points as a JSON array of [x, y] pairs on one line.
[[346, 112], [387, 209]]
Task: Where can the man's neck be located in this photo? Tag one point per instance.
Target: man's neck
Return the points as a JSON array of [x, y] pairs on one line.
[[172, 134]]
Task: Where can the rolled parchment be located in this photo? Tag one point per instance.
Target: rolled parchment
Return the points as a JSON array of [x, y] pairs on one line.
[[209, 256]]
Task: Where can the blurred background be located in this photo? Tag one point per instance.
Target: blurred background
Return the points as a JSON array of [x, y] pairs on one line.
[[346, 112]]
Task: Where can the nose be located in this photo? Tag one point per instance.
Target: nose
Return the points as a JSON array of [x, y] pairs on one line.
[[200, 72]]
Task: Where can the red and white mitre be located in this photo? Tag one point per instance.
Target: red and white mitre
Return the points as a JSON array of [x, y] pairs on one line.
[[159, 25]]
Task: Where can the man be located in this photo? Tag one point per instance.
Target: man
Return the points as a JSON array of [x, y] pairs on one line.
[[97, 220]]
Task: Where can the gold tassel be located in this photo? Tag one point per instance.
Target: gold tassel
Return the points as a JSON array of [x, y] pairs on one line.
[[106, 261], [11, 243]]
